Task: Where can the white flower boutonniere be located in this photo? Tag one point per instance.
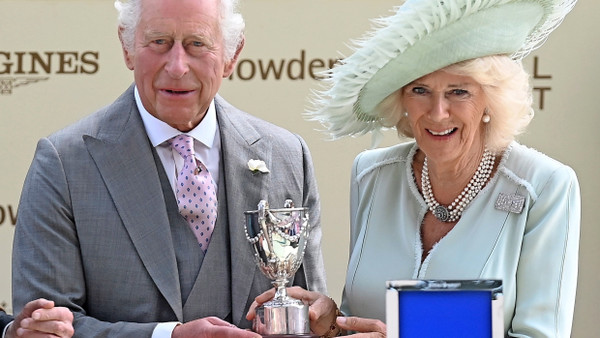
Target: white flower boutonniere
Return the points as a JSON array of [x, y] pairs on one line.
[[258, 165]]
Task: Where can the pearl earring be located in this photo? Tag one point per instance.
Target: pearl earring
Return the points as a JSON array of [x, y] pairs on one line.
[[486, 117], [405, 114]]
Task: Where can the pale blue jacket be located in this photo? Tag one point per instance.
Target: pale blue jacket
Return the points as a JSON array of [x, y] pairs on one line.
[[534, 251]]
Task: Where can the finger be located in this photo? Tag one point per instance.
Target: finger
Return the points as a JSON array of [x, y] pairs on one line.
[[322, 305], [221, 328], [367, 335], [233, 332], [361, 324], [322, 309], [308, 297], [57, 313], [265, 296], [35, 334], [21, 332], [252, 311], [42, 303], [54, 327], [32, 306], [219, 322], [258, 301]]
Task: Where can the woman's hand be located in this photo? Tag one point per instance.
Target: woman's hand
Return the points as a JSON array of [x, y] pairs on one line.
[[365, 327], [321, 311]]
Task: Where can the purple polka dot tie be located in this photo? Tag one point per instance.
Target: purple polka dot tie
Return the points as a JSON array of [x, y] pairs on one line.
[[196, 194]]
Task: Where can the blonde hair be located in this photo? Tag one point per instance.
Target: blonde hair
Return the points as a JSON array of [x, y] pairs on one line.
[[506, 86]]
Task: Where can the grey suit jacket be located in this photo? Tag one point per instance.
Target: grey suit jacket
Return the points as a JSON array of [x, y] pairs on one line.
[[4, 320], [93, 233]]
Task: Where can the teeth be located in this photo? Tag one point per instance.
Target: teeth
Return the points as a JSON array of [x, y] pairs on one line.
[[445, 132]]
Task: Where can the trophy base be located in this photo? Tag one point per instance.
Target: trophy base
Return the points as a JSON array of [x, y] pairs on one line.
[[276, 320]]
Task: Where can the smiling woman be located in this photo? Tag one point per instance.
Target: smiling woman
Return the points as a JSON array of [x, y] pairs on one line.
[[463, 95], [444, 115], [505, 86]]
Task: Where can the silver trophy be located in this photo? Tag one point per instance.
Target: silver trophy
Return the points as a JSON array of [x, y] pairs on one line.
[[279, 237]]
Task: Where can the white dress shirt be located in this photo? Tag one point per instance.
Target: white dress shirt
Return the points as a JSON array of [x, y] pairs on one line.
[[207, 148], [207, 142]]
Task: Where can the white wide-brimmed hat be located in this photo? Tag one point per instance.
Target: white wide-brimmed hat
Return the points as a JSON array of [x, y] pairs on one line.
[[421, 37]]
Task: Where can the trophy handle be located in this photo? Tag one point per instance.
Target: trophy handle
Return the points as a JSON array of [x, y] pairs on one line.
[[262, 220]]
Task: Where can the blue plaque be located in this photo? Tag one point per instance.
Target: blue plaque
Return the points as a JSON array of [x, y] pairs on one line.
[[444, 308]]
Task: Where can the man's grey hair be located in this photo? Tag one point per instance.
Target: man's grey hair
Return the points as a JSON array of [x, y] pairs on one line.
[[232, 24]]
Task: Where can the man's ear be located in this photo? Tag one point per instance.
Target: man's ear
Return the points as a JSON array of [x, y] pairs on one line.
[[127, 55], [230, 66]]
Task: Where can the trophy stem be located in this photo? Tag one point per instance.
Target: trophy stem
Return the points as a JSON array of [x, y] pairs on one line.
[[281, 290]]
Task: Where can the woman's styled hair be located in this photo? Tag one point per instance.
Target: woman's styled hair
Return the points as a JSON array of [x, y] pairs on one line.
[[508, 94], [231, 23]]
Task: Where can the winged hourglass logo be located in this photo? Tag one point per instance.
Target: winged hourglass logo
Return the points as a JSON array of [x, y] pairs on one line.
[[7, 84]]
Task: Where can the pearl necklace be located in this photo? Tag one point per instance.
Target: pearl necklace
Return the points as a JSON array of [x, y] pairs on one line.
[[453, 212]]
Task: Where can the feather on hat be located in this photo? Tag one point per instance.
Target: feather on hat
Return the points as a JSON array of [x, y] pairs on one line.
[[422, 37]]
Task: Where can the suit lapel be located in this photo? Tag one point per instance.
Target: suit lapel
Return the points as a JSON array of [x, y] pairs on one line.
[[240, 143], [133, 182], [124, 159]]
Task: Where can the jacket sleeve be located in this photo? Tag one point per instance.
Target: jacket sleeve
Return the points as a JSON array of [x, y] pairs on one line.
[[47, 258], [4, 320], [547, 270], [313, 266], [354, 226]]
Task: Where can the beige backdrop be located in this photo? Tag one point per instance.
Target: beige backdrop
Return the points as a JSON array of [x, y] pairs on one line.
[[60, 60]]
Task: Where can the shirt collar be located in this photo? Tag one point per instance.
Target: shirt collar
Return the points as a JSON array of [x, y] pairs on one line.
[[159, 131]]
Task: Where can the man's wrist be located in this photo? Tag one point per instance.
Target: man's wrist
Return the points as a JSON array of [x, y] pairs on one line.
[[164, 330]]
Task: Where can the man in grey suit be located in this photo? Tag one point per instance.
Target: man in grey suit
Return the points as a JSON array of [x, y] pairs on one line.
[[99, 229]]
